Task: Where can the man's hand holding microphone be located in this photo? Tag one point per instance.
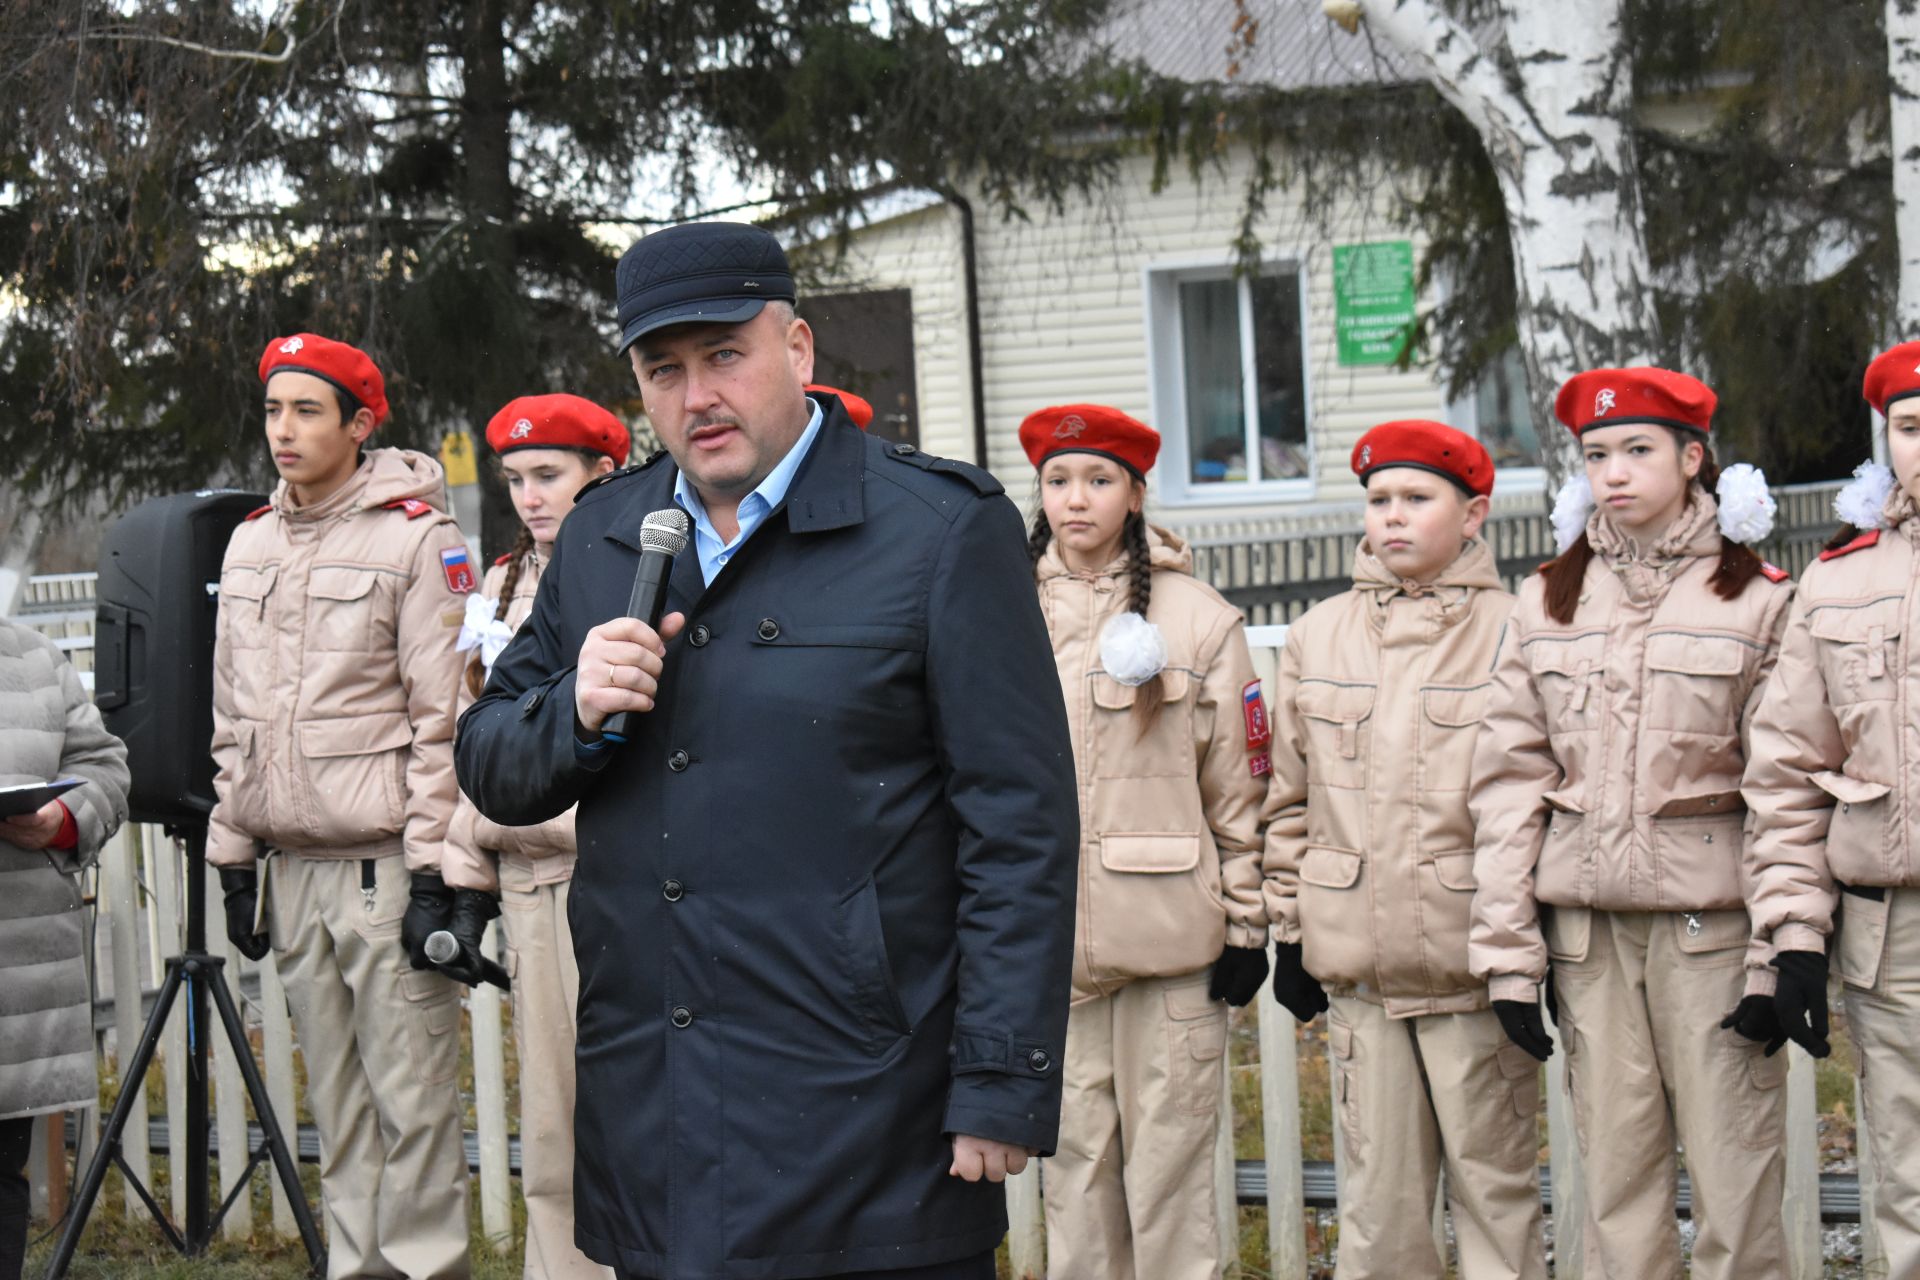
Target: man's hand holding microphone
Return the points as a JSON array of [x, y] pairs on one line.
[[618, 673]]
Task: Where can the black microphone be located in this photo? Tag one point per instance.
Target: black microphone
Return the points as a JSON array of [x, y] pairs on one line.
[[663, 535]]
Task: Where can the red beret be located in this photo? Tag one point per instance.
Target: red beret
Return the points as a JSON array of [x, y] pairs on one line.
[[1429, 446], [1615, 397], [348, 368], [558, 422], [1090, 428], [1893, 375], [859, 410]]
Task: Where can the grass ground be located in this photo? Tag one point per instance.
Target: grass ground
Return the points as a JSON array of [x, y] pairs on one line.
[[116, 1245]]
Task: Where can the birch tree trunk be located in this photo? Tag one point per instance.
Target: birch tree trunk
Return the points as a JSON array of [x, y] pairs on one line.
[[1548, 86], [1903, 65]]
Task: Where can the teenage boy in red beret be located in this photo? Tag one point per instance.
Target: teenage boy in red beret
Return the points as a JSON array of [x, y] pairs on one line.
[[334, 684], [1369, 862]]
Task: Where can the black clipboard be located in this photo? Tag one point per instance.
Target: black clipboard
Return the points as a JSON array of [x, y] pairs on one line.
[[30, 797]]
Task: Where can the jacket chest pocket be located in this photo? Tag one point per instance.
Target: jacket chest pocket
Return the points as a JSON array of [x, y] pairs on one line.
[[1164, 749], [1696, 682], [1338, 721], [1567, 671], [1859, 649], [246, 593], [344, 608], [1449, 726]]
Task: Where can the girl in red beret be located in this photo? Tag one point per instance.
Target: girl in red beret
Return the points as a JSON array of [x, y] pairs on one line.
[[1609, 824], [549, 448], [1170, 737], [1834, 782]]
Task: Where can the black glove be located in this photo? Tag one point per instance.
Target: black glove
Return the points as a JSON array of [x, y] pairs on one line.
[[1521, 1021], [1293, 986], [1237, 975], [1800, 1002], [1552, 998], [1756, 1018], [240, 887], [472, 909], [429, 907]]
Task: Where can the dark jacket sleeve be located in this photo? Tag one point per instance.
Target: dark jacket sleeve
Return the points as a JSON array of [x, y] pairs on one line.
[[1001, 725], [514, 751]]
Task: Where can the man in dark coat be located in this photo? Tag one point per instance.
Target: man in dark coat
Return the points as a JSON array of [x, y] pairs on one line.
[[824, 904]]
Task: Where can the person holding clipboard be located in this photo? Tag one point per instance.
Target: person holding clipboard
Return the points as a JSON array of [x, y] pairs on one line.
[[49, 833]]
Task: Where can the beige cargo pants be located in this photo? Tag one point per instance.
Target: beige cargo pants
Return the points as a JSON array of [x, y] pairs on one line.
[[1877, 956], [381, 1041], [1641, 998], [546, 990], [1414, 1095], [1129, 1193]]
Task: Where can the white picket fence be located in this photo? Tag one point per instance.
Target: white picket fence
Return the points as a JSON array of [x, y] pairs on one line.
[[139, 892]]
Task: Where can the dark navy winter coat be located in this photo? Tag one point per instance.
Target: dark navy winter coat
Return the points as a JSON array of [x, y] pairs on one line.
[[824, 902]]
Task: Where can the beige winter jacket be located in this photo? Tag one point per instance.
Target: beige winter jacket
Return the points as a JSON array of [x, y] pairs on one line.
[[1834, 782], [1608, 771], [335, 671], [1369, 848], [1169, 822], [480, 852]]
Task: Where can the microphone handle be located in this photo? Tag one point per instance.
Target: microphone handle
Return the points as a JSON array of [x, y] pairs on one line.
[[647, 603]]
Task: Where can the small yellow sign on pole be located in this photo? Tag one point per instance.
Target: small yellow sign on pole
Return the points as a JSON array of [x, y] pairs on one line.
[[456, 455]]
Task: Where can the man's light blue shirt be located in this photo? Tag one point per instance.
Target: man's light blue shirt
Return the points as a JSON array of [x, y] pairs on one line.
[[754, 508]]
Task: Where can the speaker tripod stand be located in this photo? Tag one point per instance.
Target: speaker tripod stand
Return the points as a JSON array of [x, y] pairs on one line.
[[195, 974]]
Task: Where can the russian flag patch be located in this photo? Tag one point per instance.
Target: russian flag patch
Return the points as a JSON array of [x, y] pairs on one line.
[[1258, 732], [459, 570]]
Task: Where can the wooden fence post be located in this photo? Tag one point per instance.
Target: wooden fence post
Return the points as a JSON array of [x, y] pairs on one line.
[[1569, 1185], [229, 1087], [1280, 1126], [276, 1035], [1801, 1200], [167, 887], [120, 893], [1027, 1225], [490, 1104]]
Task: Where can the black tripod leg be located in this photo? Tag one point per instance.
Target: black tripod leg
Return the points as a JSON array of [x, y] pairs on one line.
[[132, 1081], [272, 1137]]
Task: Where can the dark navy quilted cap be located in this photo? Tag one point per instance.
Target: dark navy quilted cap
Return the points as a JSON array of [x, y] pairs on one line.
[[699, 273]]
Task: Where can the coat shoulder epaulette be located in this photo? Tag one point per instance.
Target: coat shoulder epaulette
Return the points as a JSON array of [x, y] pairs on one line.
[[505, 559], [257, 512], [620, 473], [979, 478], [1870, 538], [1773, 572], [414, 507]]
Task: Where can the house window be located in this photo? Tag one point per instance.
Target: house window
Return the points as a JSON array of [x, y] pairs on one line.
[[1230, 389], [1502, 416]]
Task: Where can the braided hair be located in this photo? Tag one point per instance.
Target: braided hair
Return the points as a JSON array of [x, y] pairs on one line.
[[522, 548], [1738, 564], [1148, 698]]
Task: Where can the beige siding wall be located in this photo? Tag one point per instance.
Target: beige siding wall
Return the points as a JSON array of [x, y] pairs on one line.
[[1064, 318]]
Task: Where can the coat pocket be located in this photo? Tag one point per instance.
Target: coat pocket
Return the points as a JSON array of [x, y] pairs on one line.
[[1693, 682], [355, 769], [1858, 646], [1337, 720], [1710, 939], [1335, 921], [1857, 827], [1166, 749], [1566, 673], [868, 972], [1568, 932], [1152, 911], [246, 593], [341, 608], [1449, 727]]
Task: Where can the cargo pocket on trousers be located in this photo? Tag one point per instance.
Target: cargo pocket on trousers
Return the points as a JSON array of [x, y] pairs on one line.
[[1568, 934], [1862, 939], [1763, 1114], [1346, 1085], [433, 1023], [1521, 1070], [1196, 1041]]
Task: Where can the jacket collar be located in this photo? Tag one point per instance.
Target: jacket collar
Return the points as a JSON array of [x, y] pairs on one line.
[[1166, 550], [1472, 570]]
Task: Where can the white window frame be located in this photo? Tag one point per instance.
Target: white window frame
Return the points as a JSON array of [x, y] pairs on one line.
[[1166, 372], [1464, 415]]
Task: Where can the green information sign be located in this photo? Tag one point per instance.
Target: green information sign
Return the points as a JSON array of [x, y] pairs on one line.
[[1372, 300]]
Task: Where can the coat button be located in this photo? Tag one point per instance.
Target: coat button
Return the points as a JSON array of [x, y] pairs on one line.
[[769, 629], [904, 450], [699, 636], [1039, 1060], [679, 761], [673, 891], [682, 1016], [532, 703]]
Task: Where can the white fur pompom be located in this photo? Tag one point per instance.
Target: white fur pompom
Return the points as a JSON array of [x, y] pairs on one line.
[[1131, 649], [1571, 507], [1746, 508], [483, 631], [1860, 503]]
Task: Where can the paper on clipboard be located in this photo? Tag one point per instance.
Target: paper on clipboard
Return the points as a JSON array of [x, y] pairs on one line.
[[28, 797]]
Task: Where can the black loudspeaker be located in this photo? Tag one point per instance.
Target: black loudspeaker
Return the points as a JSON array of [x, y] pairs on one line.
[[153, 645]]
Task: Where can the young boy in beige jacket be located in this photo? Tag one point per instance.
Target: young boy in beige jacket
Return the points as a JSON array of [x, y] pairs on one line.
[[1369, 872]]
